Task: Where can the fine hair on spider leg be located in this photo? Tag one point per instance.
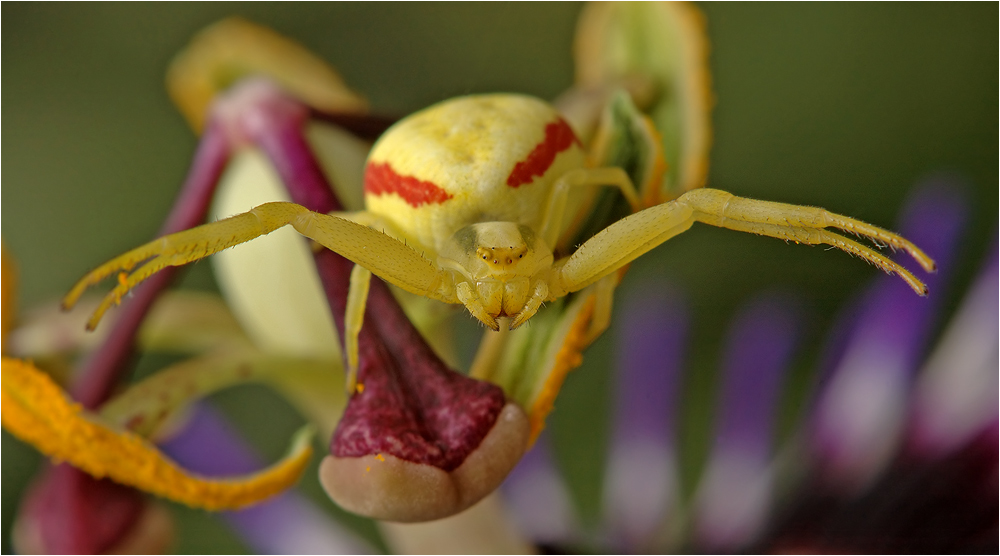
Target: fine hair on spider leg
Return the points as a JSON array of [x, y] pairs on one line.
[[633, 236]]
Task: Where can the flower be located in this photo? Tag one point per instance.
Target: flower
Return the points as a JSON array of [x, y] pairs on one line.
[[289, 523], [417, 441], [872, 477], [749, 141]]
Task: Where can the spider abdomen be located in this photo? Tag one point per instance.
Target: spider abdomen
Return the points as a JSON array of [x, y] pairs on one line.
[[467, 160]]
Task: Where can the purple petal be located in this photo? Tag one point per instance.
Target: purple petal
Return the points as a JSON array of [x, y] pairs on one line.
[[760, 345], [539, 500], [285, 524], [957, 393], [640, 488], [933, 219], [651, 338], [860, 409], [735, 494]]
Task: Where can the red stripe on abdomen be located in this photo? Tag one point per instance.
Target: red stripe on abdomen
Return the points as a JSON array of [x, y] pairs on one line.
[[558, 137], [381, 179]]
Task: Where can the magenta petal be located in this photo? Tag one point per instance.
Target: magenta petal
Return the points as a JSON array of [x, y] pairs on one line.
[[70, 512], [944, 506], [412, 406], [75, 512], [97, 377]]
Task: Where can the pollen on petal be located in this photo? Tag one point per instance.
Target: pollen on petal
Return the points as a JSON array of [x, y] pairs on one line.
[[558, 137], [394, 489], [37, 411], [424, 442]]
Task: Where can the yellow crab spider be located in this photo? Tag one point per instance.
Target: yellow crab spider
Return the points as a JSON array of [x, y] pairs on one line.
[[466, 201]]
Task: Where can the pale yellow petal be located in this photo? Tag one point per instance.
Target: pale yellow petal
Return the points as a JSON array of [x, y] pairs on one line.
[[235, 48], [280, 304], [186, 321]]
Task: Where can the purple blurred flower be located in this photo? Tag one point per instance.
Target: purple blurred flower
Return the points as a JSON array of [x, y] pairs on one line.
[[735, 494], [861, 407], [640, 491], [957, 391], [896, 452], [544, 510], [285, 524]]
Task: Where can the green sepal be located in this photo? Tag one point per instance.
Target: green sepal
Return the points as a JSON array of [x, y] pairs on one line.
[[665, 43], [316, 387]]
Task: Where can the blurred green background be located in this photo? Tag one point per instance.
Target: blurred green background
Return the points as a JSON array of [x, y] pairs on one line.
[[844, 106]]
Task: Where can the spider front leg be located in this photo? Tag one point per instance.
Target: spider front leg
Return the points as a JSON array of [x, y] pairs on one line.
[[631, 237], [179, 249], [386, 257]]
